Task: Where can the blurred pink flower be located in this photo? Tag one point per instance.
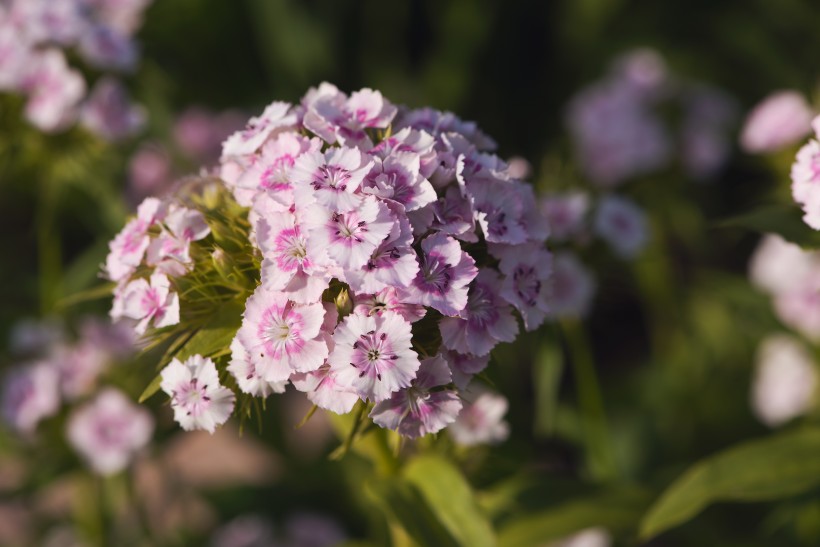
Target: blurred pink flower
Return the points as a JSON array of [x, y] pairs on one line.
[[109, 113], [785, 380], [30, 394], [573, 287], [109, 430], [781, 119], [481, 421], [622, 224]]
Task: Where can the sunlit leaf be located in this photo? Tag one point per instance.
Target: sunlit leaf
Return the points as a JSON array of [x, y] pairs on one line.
[[451, 498]]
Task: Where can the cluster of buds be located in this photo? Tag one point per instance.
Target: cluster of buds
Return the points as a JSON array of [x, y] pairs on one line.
[[33, 37], [381, 255]]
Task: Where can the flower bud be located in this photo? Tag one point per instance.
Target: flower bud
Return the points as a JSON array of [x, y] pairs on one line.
[[344, 303]]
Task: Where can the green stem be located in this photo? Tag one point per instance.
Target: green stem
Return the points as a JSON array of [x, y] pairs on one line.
[[48, 249], [599, 451]]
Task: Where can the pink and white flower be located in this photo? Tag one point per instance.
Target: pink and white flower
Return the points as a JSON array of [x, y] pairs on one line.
[[419, 409], [127, 250], [198, 399], [387, 300], [481, 421], [445, 271], [280, 336], [324, 389], [465, 367], [784, 382], [348, 238], [336, 118], [330, 179], [109, 431], [781, 119], [290, 265], [484, 322], [277, 115], [246, 376], [271, 171], [805, 174], [151, 303], [398, 177], [54, 91], [373, 356], [527, 272]]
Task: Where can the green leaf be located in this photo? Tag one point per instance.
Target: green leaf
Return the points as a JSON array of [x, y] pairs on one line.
[[451, 499], [784, 220], [216, 335], [617, 510], [776, 467], [404, 505], [152, 388]]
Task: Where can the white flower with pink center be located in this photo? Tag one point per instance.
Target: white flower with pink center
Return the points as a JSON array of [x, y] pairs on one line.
[[280, 336], [30, 394], [419, 409], [324, 390], [198, 399], [622, 224], [399, 178], [373, 356], [393, 263], [481, 421], [445, 271], [271, 170], [330, 179], [109, 431], [484, 322], [151, 303], [409, 140], [387, 300], [276, 115], [336, 118], [187, 224], [289, 265], [169, 255], [527, 271], [246, 376], [348, 238]]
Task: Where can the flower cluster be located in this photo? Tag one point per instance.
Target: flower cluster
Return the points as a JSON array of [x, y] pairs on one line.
[[408, 217], [806, 178], [106, 431], [619, 133], [152, 247], [33, 37], [392, 250]]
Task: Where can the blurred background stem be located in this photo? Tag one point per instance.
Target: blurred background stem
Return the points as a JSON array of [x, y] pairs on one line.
[[48, 247], [600, 456]]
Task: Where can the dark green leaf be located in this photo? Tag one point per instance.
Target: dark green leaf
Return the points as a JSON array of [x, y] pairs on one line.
[[776, 467], [216, 335], [152, 388], [784, 220]]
